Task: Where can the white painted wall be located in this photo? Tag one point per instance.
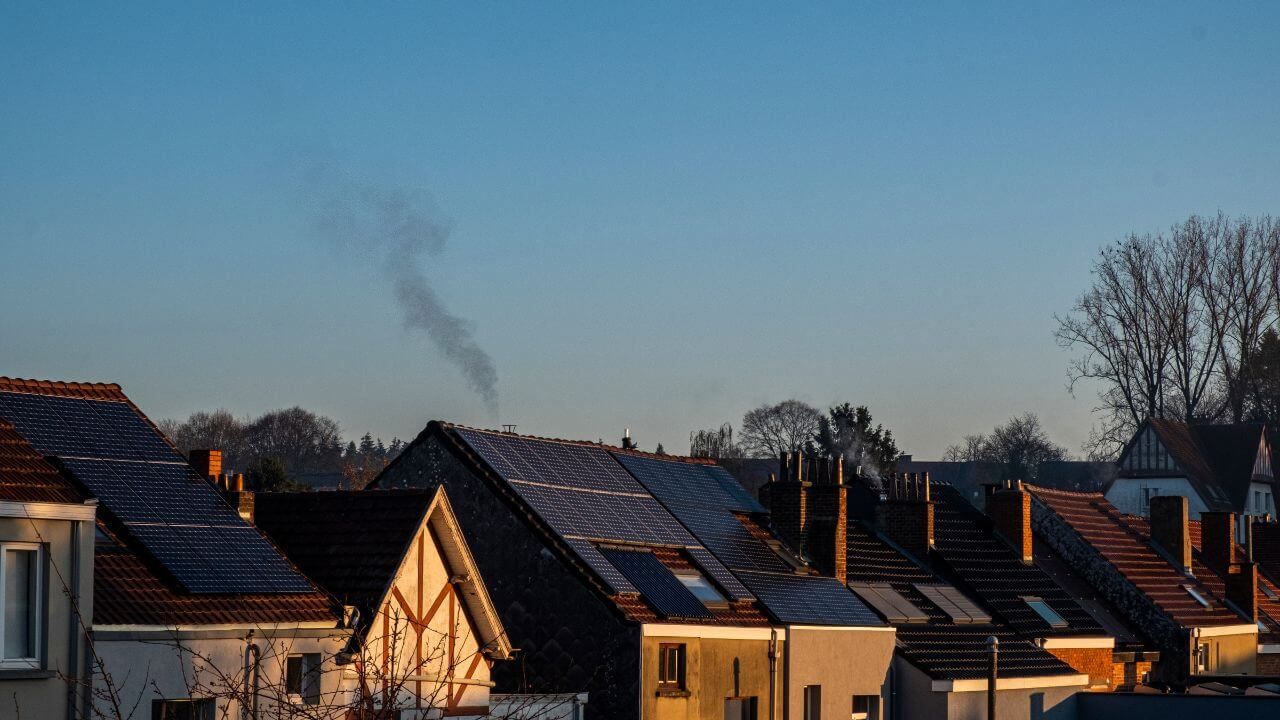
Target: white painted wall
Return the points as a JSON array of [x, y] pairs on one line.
[[1126, 494], [143, 667]]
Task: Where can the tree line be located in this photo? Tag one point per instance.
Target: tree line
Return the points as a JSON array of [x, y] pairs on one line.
[[1180, 325], [279, 446]]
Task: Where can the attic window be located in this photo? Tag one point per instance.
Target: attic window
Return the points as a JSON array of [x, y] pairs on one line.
[[1045, 612], [701, 588], [959, 608], [785, 554], [891, 605], [1198, 597]]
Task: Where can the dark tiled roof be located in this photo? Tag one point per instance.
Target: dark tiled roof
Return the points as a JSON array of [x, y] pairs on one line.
[[127, 592], [1123, 540], [1268, 609], [984, 563], [351, 543], [25, 476], [1266, 547], [940, 648]]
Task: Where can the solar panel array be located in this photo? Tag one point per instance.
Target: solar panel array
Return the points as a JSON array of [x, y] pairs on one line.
[[706, 499], [660, 587], [177, 516], [584, 495]]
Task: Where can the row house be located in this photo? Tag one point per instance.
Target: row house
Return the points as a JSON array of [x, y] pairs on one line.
[[192, 613], [929, 564], [427, 634], [1218, 468], [1203, 624], [652, 582]]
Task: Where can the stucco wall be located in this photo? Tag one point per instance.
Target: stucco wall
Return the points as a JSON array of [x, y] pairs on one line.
[[709, 677], [1126, 494], [188, 664], [1232, 654], [845, 662], [42, 693], [918, 701], [569, 638]]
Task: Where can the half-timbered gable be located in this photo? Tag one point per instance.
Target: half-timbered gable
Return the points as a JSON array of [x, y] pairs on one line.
[[428, 633]]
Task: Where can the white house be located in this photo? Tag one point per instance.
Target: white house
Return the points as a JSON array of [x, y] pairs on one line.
[[1223, 468]]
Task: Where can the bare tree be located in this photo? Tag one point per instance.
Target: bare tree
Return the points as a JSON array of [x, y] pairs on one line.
[[716, 443], [205, 430], [1020, 446], [972, 447], [299, 438], [788, 426]]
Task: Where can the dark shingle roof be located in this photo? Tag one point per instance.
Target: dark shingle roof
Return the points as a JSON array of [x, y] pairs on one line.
[[351, 543], [984, 563], [25, 476], [940, 648], [1217, 459]]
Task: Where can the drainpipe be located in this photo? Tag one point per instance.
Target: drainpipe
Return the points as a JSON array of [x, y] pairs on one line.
[[993, 648], [73, 622], [773, 670], [249, 707]]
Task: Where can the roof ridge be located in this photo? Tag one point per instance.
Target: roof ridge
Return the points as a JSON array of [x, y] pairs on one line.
[[584, 443], [1059, 491], [87, 390]]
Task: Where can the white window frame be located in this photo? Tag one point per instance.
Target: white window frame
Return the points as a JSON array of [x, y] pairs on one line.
[[40, 609], [309, 678]]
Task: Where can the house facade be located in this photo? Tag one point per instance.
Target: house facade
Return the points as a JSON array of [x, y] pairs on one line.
[[602, 588], [192, 612], [1218, 468], [427, 633], [46, 574]]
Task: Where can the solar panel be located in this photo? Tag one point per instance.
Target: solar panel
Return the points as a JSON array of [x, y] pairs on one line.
[[888, 602], [177, 516], [603, 569], [718, 572], [949, 600], [808, 599], [583, 467], [604, 516], [657, 583]]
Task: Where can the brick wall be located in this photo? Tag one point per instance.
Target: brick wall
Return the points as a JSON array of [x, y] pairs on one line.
[[1094, 662], [1269, 664], [828, 528], [908, 523], [1010, 512]]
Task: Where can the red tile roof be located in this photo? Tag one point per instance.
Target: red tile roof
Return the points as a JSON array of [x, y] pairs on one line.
[[1268, 609], [88, 391], [127, 592], [25, 476], [1124, 542]]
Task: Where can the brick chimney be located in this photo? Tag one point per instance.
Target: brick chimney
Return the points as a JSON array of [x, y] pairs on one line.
[[788, 502], [1010, 510], [1242, 589], [906, 516], [828, 518], [1218, 540], [206, 462], [239, 497], [1169, 529]]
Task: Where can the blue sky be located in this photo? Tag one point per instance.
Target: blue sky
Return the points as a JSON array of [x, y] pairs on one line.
[[661, 215]]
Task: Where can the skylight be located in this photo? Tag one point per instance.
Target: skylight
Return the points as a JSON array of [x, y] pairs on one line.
[[1266, 590], [1193, 593], [1045, 612], [702, 589]]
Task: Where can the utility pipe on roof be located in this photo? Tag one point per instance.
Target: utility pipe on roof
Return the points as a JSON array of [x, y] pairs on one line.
[[249, 706], [993, 648], [773, 670]]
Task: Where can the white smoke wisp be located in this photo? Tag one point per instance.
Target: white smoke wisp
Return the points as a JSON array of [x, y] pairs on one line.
[[399, 230]]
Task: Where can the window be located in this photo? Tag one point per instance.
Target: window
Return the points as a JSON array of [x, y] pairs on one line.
[[1045, 612], [744, 708], [1257, 500], [670, 667], [200, 709], [1147, 494], [864, 707], [701, 589], [21, 605], [1198, 597], [302, 678], [1202, 657], [812, 702]]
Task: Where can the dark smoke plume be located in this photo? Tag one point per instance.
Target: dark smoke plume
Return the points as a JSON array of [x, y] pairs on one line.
[[397, 229]]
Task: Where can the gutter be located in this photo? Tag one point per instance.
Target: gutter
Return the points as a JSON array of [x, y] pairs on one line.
[[1005, 683]]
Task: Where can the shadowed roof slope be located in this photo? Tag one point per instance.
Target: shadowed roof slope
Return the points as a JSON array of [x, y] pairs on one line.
[[25, 476]]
